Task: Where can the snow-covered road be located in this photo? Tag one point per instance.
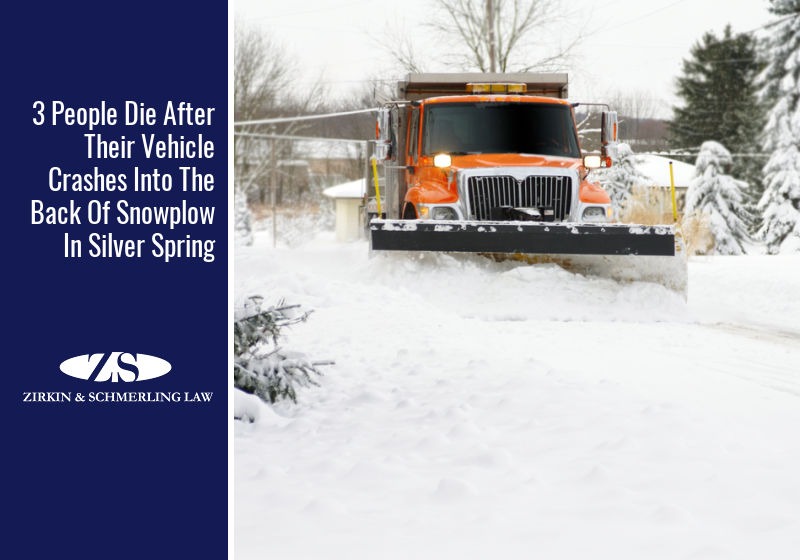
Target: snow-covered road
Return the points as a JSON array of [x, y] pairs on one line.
[[491, 410]]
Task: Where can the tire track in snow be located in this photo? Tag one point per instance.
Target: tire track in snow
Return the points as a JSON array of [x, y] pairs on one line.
[[768, 364], [755, 332]]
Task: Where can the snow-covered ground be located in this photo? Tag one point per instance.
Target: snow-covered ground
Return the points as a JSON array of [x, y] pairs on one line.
[[492, 410]]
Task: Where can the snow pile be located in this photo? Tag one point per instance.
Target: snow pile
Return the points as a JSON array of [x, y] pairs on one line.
[[499, 410], [468, 286]]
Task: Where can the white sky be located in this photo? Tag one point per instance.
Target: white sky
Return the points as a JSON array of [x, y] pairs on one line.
[[632, 45]]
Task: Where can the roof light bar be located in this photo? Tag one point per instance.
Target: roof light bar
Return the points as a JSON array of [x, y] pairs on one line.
[[478, 87]]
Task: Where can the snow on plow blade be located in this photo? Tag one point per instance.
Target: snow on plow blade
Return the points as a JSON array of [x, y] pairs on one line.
[[620, 251]]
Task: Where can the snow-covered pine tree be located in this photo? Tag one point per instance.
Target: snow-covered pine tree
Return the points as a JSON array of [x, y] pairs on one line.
[[620, 179], [780, 203], [721, 198], [261, 367]]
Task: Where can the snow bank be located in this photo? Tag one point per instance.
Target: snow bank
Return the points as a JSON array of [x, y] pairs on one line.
[[469, 286]]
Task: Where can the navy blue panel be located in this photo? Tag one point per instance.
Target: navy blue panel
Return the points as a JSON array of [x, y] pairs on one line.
[[113, 479]]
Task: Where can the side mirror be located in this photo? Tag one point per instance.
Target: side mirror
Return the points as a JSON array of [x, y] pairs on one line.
[[383, 134], [609, 128], [383, 127]]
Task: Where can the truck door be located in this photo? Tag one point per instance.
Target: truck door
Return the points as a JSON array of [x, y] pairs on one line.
[[412, 155], [413, 141]]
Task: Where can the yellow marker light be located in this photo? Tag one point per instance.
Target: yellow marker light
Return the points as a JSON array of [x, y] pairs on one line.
[[442, 160]]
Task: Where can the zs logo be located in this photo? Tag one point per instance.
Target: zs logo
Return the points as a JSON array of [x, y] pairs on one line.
[[115, 367]]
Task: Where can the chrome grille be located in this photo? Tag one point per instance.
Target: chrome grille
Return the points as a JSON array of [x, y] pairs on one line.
[[536, 191]]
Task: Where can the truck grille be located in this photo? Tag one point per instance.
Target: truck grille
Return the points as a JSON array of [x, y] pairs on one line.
[[543, 192]]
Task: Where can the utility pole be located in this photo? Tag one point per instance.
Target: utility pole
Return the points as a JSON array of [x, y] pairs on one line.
[[273, 178], [492, 40]]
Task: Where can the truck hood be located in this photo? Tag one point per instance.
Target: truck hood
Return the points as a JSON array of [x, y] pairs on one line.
[[472, 161]]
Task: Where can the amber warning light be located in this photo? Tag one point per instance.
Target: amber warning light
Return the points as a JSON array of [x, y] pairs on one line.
[[496, 88]]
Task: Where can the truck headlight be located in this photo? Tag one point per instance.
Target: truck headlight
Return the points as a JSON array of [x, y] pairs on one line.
[[442, 160], [437, 212], [594, 214], [592, 162], [443, 213]]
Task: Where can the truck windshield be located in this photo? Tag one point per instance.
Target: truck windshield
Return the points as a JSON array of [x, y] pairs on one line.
[[499, 128]]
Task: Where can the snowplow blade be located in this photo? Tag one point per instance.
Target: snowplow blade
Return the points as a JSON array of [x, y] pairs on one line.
[[620, 251], [522, 237]]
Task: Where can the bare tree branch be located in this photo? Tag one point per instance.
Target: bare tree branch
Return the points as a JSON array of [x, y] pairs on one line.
[[262, 88], [503, 35]]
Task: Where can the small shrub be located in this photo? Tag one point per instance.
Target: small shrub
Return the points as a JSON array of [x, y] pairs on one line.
[[261, 367], [697, 235], [646, 206]]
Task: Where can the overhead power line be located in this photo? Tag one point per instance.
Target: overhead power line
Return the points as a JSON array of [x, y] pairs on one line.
[[304, 117], [301, 138], [645, 15]]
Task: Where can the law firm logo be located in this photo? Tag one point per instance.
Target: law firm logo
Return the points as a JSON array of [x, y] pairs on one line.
[[115, 367]]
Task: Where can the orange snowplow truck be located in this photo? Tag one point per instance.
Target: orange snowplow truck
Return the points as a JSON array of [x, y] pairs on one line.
[[491, 163]]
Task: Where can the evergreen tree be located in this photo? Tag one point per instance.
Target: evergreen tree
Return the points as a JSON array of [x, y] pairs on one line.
[[780, 203], [620, 179], [719, 90], [261, 367], [720, 197]]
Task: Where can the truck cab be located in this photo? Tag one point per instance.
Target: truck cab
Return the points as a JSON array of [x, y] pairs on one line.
[[468, 148]]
